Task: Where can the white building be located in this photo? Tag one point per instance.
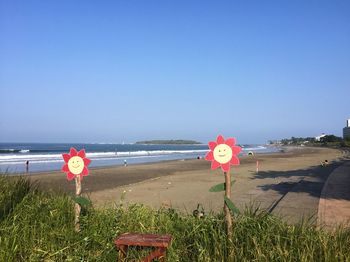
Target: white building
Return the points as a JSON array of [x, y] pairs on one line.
[[318, 138], [346, 130]]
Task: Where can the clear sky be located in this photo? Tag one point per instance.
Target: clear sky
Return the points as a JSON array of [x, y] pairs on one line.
[[113, 71]]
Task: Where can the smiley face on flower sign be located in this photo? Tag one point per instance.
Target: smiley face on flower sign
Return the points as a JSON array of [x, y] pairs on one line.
[[76, 163], [223, 153]]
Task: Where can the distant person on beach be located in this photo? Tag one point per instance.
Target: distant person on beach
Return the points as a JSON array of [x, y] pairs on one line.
[[125, 163], [27, 166]]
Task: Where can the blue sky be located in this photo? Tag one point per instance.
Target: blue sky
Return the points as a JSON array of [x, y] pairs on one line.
[[113, 71]]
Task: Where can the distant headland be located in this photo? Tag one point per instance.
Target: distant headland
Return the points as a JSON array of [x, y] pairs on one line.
[[169, 142]]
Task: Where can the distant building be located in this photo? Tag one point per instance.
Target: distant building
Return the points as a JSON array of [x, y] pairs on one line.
[[318, 138], [275, 142], [346, 130]]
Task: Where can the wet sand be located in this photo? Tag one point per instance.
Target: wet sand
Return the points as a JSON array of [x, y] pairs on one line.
[[182, 184]]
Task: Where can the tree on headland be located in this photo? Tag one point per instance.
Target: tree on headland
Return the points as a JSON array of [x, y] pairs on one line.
[[330, 139], [297, 140]]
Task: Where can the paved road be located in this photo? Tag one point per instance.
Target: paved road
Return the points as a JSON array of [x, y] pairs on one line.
[[334, 205], [297, 195]]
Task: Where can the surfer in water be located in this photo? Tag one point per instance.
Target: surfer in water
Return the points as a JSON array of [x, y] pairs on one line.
[[27, 166]]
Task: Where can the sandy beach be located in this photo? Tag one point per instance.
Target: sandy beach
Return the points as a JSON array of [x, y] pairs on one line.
[[182, 184]]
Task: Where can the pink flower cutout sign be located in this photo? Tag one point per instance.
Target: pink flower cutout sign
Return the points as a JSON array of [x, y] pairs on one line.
[[76, 164], [223, 153]]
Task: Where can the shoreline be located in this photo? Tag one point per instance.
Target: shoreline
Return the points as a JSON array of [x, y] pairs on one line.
[[56, 180], [97, 168], [51, 160], [31, 173], [182, 184]]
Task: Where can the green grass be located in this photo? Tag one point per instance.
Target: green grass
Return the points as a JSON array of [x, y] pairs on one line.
[[39, 226]]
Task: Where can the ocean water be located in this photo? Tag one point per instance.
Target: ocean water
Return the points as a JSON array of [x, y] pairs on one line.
[[48, 157]]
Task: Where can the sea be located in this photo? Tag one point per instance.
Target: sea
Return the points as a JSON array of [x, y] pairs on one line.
[[48, 156]]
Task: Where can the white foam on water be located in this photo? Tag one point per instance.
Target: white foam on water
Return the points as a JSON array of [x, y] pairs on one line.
[[45, 158], [24, 155], [61, 160], [11, 157], [24, 151], [253, 148]]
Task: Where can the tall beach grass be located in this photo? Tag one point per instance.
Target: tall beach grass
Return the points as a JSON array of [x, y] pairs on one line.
[[39, 226]]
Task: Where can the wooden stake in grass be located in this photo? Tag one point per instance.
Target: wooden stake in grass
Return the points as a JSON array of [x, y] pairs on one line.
[[223, 153], [75, 167], [77, 206], [226, 208]]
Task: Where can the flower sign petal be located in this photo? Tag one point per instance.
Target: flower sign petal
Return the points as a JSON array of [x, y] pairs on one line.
[[73, 151], [87, 161], [215, 165], [236, 150], [234, 161], [223, 153], [81, 153], [220, 139], [230, 142], [70, 176], [66, 157], [209, 156], [212, 145], [75, 163], [65, 168], [225, 167], [85, 171]]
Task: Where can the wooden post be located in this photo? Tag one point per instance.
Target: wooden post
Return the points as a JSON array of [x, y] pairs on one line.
[[77, 206], [226, 209]]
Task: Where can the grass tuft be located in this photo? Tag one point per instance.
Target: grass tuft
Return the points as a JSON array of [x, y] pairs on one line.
[[39, 226]]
